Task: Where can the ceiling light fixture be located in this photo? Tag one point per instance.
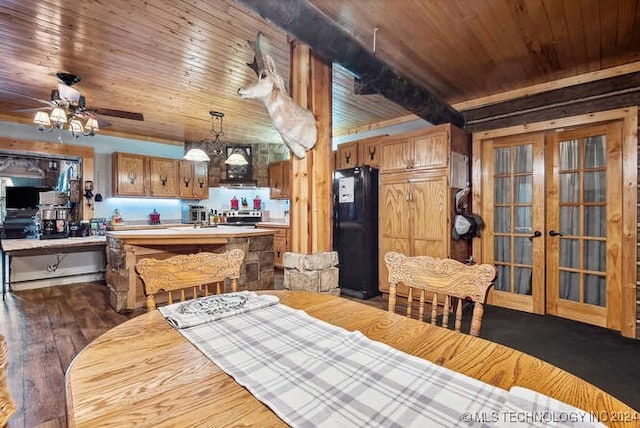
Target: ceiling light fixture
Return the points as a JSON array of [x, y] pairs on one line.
[[200, 155], [236, 159], [57, 119]]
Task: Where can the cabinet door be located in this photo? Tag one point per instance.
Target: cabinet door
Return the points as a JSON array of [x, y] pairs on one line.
[[396, 156], [201, 180], [394, 231], [275, 180], [370, 152], [347, 155], [186, 179], [129, 174], [429, 198], [432, 149], [286, 179], [164, 177]]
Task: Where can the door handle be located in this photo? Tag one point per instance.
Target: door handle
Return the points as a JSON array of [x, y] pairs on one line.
[[554, 233], [536, 234]]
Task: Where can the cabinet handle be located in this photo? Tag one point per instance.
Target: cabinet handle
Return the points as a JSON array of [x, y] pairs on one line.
[[163, 180], [186, 181], [201, 182], [347, 156], [131, 178], [372, 153]]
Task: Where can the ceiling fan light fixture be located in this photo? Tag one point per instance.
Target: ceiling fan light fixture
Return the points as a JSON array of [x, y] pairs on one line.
[[42, 118], [91, 125], [198, 155], [58, 116], [236, 159], [75, 126]]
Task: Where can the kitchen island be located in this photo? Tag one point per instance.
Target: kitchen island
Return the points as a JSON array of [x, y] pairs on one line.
[[126, 247]]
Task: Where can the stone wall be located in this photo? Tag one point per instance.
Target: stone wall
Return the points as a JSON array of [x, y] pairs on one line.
[[262, 154], [256, 272]]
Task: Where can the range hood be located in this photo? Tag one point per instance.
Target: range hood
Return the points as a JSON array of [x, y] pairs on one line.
[[238, 184]]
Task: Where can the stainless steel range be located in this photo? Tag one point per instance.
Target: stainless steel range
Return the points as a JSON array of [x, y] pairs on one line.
[[242, 217]]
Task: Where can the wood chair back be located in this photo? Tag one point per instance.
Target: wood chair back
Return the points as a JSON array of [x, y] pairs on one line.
[[7, 406], [190, 275], [449, 281]]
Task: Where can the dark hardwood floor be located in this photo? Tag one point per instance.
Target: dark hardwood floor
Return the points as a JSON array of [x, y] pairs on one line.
[[46, 328]]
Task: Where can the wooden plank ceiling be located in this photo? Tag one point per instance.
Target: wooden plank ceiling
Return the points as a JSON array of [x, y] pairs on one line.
[[174, 61]]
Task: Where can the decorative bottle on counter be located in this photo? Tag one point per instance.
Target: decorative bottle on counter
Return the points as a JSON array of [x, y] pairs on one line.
[[234, 203], [257, 203]]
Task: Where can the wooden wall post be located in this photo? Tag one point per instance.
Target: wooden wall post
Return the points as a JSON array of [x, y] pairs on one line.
[[311, 200]]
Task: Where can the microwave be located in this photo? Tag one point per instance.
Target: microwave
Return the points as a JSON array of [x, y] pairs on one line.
[[194, 214]]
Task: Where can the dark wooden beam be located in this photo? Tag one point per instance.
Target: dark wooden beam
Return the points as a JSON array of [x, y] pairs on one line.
[[327, 39], [605, 94]]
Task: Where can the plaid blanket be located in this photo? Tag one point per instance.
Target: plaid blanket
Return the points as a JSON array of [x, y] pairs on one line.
[[212, 308], [527, 408], [314, 374]]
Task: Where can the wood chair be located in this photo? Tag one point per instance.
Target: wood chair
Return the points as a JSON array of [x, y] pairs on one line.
[[193, 271], [7, 406], [447, 278]]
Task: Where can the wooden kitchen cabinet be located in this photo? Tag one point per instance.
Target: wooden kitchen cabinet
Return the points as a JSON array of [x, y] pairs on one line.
[[150, 176], [423, 149], [280, 179], [418, 182], [163, 177], [193, 180], [347, 155], [369, 151], [280, 245], [130, 174]]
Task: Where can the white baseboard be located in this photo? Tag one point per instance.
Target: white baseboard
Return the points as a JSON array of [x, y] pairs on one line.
[[62, 280]]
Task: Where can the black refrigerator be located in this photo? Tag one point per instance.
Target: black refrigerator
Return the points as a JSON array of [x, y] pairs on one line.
[[355, 230]]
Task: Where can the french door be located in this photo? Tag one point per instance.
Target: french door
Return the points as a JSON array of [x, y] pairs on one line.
[[553, 215], [584, 224], [513, 239]]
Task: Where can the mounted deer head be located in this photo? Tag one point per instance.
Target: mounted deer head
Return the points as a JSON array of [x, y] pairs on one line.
[[296, 125]]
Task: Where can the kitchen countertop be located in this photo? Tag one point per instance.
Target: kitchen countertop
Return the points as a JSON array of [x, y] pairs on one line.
[[273, 223], [16, 245], [188, 232]]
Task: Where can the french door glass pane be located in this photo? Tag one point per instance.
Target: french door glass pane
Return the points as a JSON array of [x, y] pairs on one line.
[[522, 280], [570, 286], [595, 221], [523, 252], [523, 189], [595, 290], [569, 187], [503, 280], [570, 220], [502, 249], [595, 186], [570, 253], [502, 220], [595, 255], [523, 161], [569, 155], [501, 161], [502, 190], [523, 219], [595, 152]]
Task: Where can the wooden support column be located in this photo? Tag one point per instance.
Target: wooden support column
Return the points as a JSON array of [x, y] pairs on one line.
[[310, 211]]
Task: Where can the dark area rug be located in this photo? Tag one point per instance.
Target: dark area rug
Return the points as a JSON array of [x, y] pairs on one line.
[[600, 356]]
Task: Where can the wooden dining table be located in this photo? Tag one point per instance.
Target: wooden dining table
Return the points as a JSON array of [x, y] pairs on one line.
[[145, 373]]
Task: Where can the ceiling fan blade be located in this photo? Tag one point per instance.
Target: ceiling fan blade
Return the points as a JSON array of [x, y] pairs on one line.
[[40, 100], [118, 113], [31, 110]]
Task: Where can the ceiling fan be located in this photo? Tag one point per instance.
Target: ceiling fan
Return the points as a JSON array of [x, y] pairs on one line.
[[71, 99]]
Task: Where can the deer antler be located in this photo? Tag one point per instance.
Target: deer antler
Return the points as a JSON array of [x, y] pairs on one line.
[[258, 61]]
